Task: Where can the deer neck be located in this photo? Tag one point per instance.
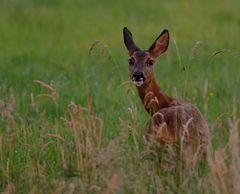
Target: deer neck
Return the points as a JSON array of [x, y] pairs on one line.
[[152, 97]]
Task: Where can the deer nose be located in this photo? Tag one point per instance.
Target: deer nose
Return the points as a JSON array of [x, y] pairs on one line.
[[138, 76]]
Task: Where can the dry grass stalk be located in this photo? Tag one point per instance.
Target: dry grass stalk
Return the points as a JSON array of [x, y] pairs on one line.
[[45, 85], [135, 127], [234, 143], [7, 111], [178, 53], [60, 139], [7, 172], [218, 171], [31, 170], [225, 163], [86, 130], [103, 45], [222, 51], [194, 50], [205, 96], [53, 94]]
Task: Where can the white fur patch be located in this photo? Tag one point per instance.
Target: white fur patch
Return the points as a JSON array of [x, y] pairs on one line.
[[138, 83]]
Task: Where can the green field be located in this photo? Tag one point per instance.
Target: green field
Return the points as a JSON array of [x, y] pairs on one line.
[[70, 122]]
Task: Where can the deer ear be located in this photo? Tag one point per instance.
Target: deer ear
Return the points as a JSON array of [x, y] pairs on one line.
[[160, 45], [128, 41]]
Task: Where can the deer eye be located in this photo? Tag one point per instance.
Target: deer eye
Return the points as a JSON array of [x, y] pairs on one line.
[[130, 61], [150, 62]]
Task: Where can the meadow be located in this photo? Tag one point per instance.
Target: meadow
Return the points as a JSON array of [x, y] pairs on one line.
[[70, 120]]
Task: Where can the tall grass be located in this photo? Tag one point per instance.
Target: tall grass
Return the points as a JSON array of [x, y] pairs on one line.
[[72, 156]]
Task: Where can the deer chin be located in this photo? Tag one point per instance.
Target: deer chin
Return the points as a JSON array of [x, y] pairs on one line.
[[138, 83]]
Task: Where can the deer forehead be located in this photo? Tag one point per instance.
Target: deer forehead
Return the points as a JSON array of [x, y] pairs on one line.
[[140, 55]]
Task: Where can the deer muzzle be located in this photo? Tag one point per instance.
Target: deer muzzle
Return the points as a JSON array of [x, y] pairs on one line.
[[138, 78]]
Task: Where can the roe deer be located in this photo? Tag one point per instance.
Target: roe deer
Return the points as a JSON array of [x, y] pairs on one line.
[[173, 120]]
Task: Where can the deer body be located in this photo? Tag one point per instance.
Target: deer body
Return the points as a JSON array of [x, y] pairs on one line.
[[171, 120]]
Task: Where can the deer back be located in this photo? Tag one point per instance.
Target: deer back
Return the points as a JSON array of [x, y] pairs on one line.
[[180, 123]]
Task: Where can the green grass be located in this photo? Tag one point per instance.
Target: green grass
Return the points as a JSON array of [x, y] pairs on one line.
[[50, 41]]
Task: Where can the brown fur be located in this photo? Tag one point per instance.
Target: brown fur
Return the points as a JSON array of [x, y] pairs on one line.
[[178, 121]]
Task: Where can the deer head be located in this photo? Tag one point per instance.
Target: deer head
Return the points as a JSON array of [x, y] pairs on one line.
[[141, 61]]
